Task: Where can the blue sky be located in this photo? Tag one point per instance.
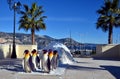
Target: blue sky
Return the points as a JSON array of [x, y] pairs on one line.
[[63, 16]]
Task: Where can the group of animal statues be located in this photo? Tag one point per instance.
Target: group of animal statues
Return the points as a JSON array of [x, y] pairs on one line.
[[46, 61]]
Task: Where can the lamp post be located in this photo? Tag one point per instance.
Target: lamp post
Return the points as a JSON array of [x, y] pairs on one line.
[[15, 6]]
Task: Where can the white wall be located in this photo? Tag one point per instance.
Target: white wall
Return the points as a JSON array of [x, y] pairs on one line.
[[6, 50]]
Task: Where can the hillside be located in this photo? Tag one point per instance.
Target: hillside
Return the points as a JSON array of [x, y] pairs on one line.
[[41, 41]]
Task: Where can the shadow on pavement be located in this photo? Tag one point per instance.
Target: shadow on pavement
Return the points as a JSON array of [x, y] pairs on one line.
[[74, 67], [11, 65], [114, 70], [101, 58]]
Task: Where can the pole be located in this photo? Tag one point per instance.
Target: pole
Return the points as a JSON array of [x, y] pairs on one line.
[[15, 6], [70, 42], [14, 45]]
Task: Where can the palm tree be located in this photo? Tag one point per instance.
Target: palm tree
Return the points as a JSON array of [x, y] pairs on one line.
[[32, 19], [109, 17]]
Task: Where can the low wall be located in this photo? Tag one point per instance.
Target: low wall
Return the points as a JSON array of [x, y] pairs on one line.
[[108, 51], [6, 50]]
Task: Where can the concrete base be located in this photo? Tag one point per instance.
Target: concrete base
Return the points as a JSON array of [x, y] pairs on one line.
[[108, 51]]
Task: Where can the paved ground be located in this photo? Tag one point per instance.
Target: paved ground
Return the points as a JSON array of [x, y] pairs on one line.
[[85, 68]]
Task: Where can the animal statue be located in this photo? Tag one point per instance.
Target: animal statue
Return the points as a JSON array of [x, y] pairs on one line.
[[35, 60], [50, 60], [38, 61], [44, 61], [55, 59], [26, 61], [40, 55]]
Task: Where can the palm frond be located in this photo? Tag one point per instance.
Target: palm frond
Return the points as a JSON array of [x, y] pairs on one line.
[[32, 18], [26, 8]]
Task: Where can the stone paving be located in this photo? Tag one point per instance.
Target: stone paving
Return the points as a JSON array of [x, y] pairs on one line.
[[84, 68], [87, 68]]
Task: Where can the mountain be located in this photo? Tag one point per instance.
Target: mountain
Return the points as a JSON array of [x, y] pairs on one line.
[[41, 41]]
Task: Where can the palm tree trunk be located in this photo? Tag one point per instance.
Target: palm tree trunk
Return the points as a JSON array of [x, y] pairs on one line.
[[110, 35], [32, 34]]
